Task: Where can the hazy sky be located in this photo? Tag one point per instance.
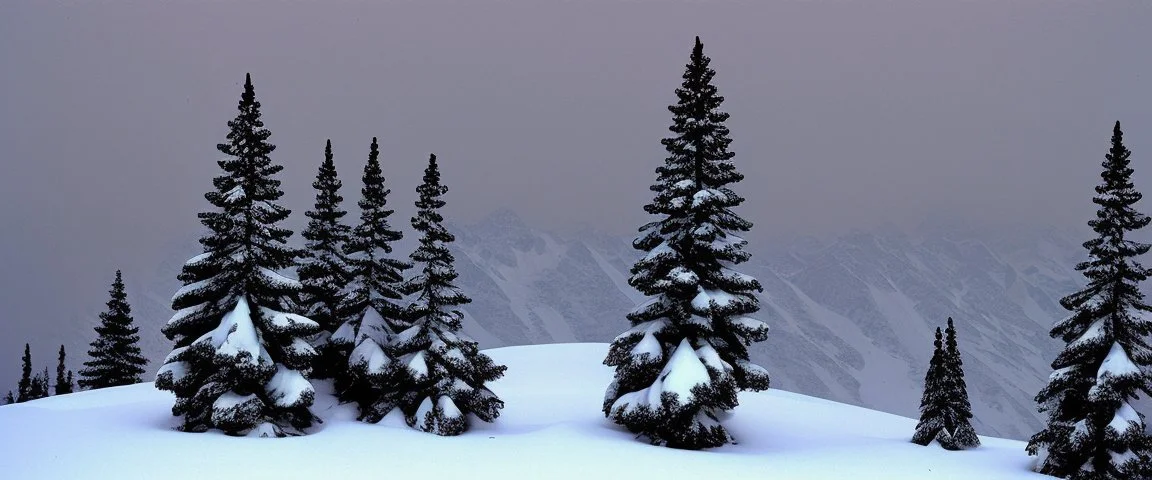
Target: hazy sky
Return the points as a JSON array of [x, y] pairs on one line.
[[844, 114]]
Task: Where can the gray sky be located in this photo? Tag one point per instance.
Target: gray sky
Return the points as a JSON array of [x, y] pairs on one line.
[[844, 114]]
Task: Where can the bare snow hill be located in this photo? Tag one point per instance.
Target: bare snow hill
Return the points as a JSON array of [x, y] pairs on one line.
[[551, 428], [851, 315]]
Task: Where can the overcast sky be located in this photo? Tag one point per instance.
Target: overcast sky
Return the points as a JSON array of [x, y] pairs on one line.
[[844, 114]]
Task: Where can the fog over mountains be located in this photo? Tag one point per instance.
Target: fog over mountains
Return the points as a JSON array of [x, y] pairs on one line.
[[851, 315]]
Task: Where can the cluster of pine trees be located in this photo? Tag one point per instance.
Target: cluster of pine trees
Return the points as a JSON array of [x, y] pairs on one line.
[[32, 387], [249, 339], [114, 356], [1093, 432], [386, 330]]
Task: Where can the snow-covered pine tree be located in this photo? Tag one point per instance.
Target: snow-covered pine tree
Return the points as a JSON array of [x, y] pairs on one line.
[[1092, 430], [324, 272], [371, 311], [958, 422], [24, 388], [115, 353], [63, 376], [240, 352], [9, 398], [934, 404], [440, 374], [680, 366]]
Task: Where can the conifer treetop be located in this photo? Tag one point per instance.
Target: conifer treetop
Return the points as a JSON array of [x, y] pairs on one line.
[[114, 356], [325, 272]]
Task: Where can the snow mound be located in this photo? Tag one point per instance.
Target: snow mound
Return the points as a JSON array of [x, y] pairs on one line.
[[552, 427]]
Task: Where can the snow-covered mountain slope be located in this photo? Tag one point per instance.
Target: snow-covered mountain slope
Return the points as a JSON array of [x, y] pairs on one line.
[[851, 316], [551, 428]]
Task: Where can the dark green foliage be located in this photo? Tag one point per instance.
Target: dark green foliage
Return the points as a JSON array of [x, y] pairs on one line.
[[944, 409], [324, 272], [699, 305], [24, 388], [115, 357], [39, 385], [438, 376], [934, 402], [63, 376], [371, 310], [958, 423], [9, 398], [238, 343], [1092, 431]]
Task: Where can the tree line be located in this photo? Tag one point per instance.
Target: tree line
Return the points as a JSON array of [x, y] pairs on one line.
[[114, 356]]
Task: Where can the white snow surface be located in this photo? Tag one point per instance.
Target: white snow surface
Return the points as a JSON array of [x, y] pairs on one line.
[[1117, 363], [370, 353], [703, 300], [682, 372], [287, 386], [236, 334], [287, 320], [551, 427]]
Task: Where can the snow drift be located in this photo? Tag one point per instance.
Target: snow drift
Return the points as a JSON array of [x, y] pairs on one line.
[[552, 427]]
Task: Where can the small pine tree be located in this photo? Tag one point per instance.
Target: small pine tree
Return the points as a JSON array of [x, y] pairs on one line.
[[934, 404], [9, 398], [324, 272], [1092, 430], [440, 374], [63, 376], [958, 423], [24, 388], [40, 385], [240, 351], [115, 357], [697, 326], [372, 310]]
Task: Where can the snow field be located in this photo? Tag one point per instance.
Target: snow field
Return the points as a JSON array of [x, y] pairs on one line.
[[552, 427]]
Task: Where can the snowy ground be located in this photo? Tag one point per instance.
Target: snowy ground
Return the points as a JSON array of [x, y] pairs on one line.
[[550, 428]]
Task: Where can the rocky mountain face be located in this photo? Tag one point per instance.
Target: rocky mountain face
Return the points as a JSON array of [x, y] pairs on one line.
[[852, 316]]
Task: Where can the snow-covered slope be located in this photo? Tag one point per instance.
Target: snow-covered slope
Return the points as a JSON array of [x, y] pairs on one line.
[[551, 428], [851, 315]]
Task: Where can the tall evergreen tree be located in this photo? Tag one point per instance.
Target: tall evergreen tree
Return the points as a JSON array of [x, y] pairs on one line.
[[680, 366], [934, 403], [1092, 430], [24, 388], [63, 376], [958, 423], [324, 271], [372, 311], [115, 353], [439, 373], [240, 352]]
